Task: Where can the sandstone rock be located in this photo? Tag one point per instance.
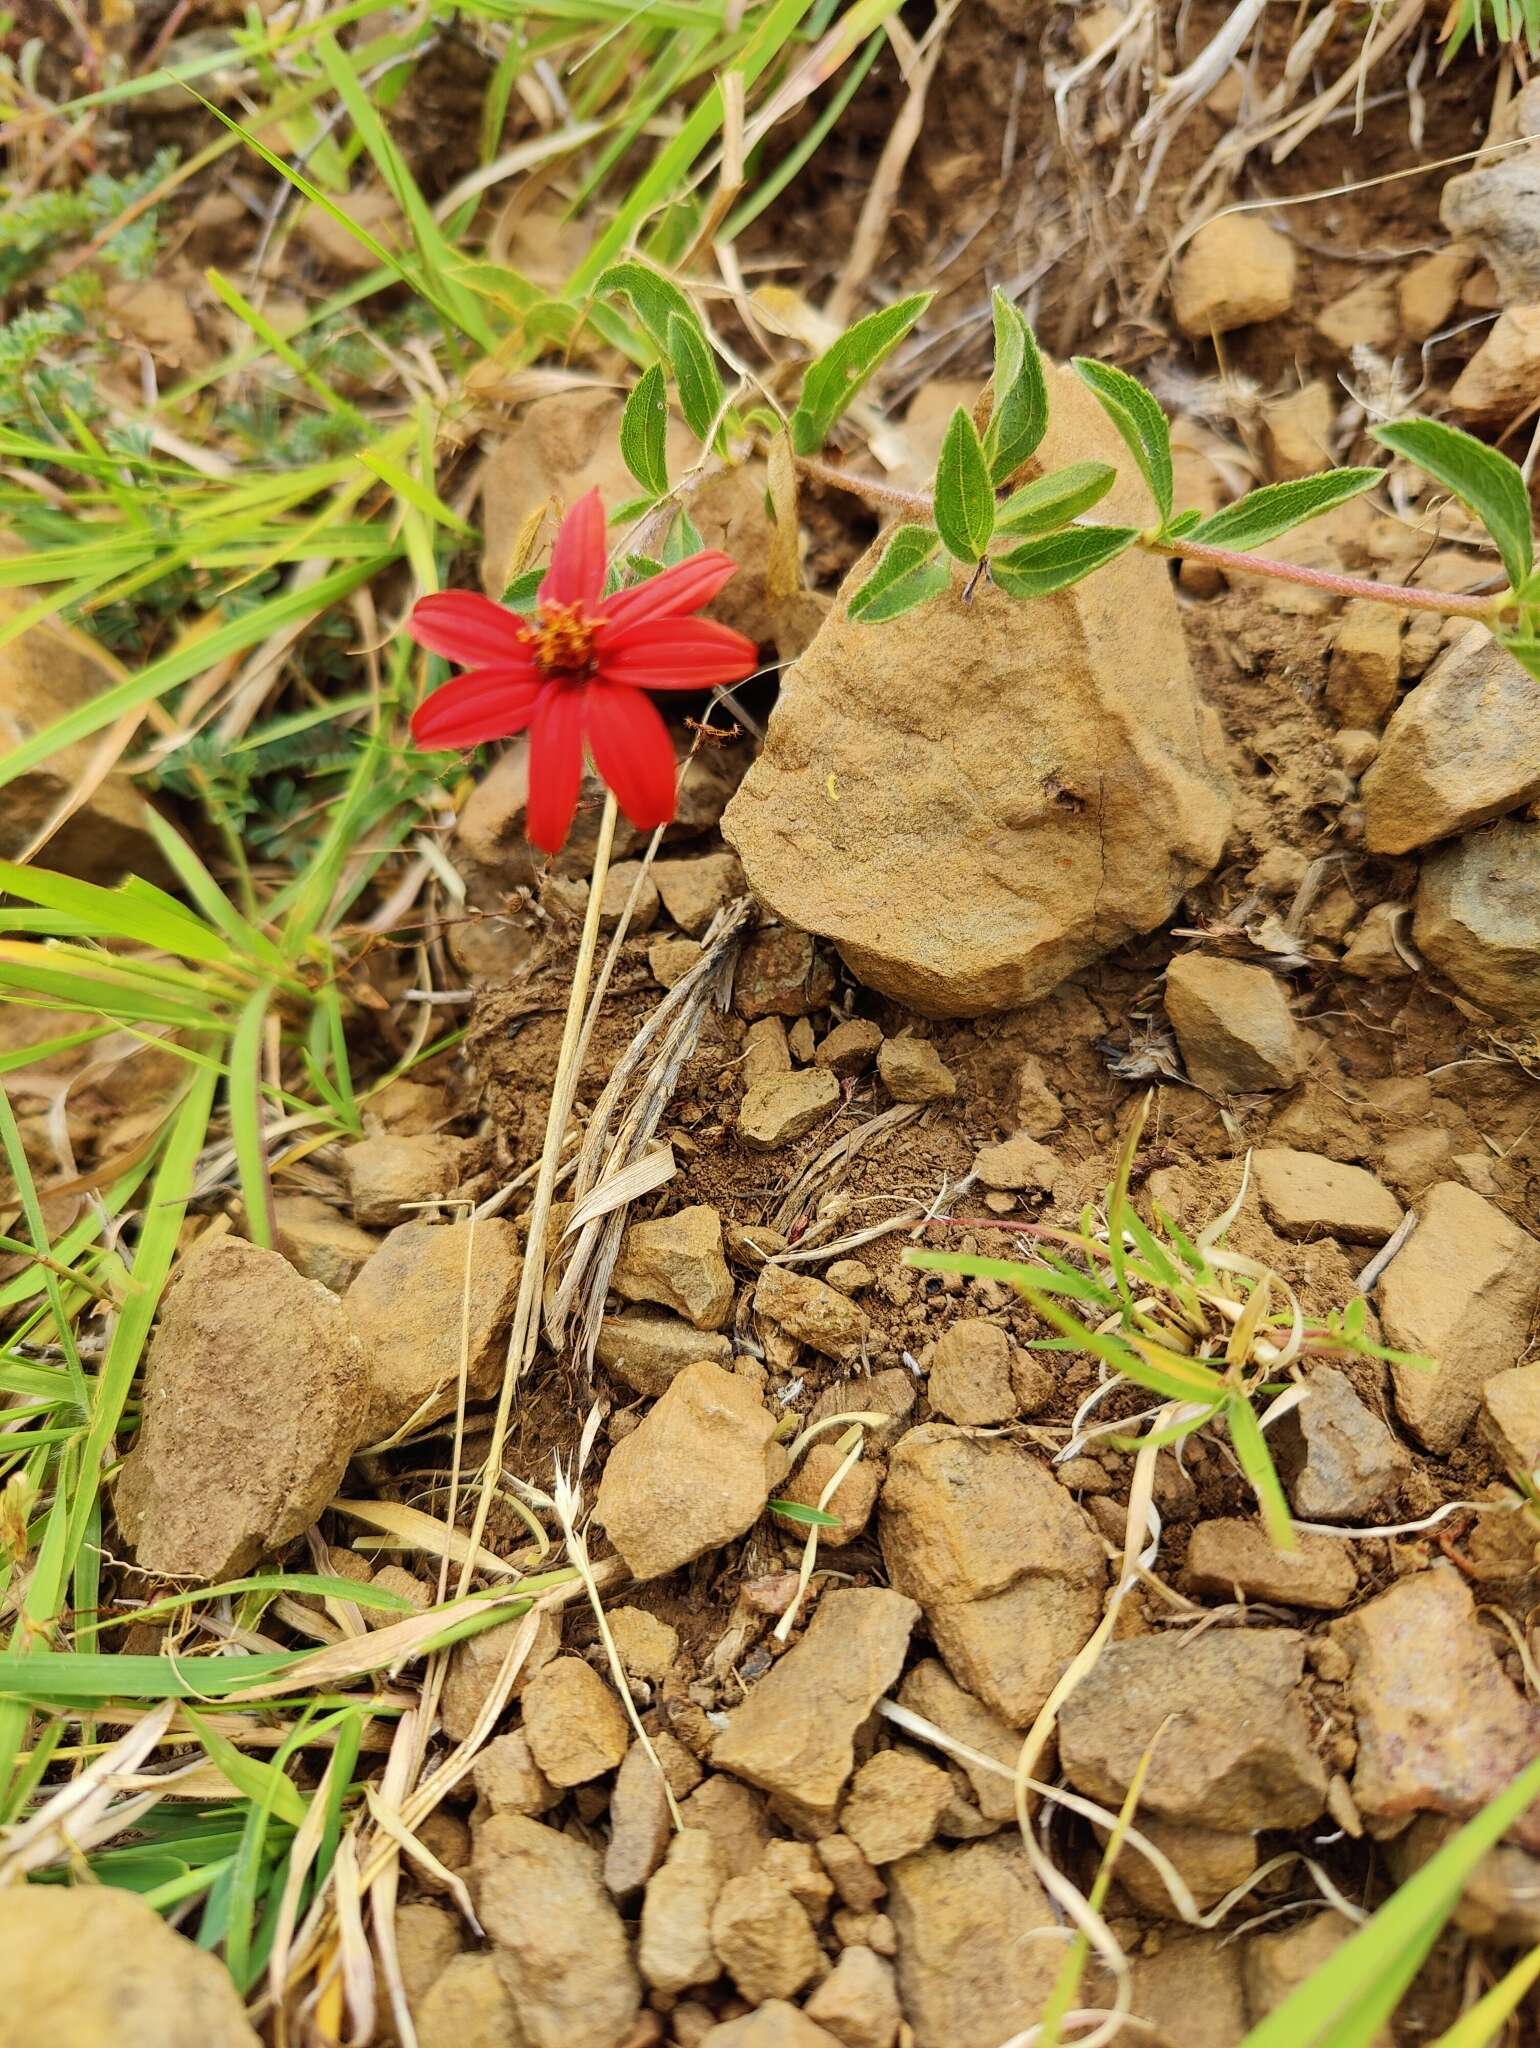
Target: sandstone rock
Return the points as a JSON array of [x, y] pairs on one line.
[[1440, 1726], [428, 1938], [929, 1689], [1235, 271], [1365, 317], [1510, 1419], [641, 1824], [848, 1276], [674, 1950], [474, 1666], [858, 2001], [466, 2007], [1230, 1556], [622, 878], [84, 1965], [1233, 1023], [913, 1071], [1463, 748], [796, 1868], [1502, 379], [1462, 1291], [387, 1176], [1500, 1899], [47, 672], [1372, 952], [1306, 1195], [1365, 677], [853, 1499], [253, 1403], [1495, 210], [1235, 1752], [1017, 1163], [693, 891], [1210, 1862], [1430, 291], [1276, 1963], [879, 1393], [319, 1243], [974, 1968], [648, 1352], [1297, 431], [853, 1878], [1045, 859], [1478, 916], [647, 1646], [508, 1780], [1338, 1460], [694, 1474], [811, 1311], [734, 1817], [766, 1053], [558, 1942], [775, 2025], [576, 1727], [786, 1107], [794, 1735], [677, 1262], [408, 1305], [850, 1047], [1190, 1991], [406, 1108], [762, 1937], [1000, 1558], [670, 960], [970, 1374], [894, 1805], [781, 973]]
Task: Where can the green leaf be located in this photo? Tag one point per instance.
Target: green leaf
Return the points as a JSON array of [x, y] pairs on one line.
[[1257, 1464], [1039, 567], [965, 498], [695, 373], [908, 549], [838, 374], [1137, 417], [523, 592], [1262, 515], [811, 1518], [917, 588], [1054, 500], [655, 299], [1481, 478], [1019, 418], [644, 432]]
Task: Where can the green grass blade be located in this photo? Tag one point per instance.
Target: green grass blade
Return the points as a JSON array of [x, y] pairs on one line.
[[244, 1096]]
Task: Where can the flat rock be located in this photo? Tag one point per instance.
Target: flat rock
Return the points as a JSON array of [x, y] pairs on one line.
[[1230, 1556], [763, 1938], [1496, 208], [970, 1373], [428, 1938], [894, 1805], [1339, 1461], [1190, 1991], [851, 1502], [254, 1400], [1297, 431], [1304, 1194], [320, 1244], [1210, 1862], [1462, 1291], [693, 891], [1429, 291], [929, 1689], [912, 1070], [974, 1966], [85, 1965], [465, 2007], [1000, 1558], [476, 1663], [1235, 271], [733, 1814], [694, 1474], [1477, 917], [1367, 316], [507, 1778], [1510, 1416], [1372, 952], [784, 1107], [647, 1352], [849, 1048], [622, 878], [1234, 1749], [1276, 1963], [1502, 379], [670, 960], [782, 972], [1461, 749], [775, 2025], [1441, 1728], [1017, 1164], [641, 1826], [811, 1311], [647, 1644], [1048, 845], [677, 1262], [388, 1176], [889, 1393], [1233, 1023], [576, 1727], [408, 1306], [674, 1950], [858, 2001], [558, 1942], [794, 1736], [1364, 680]]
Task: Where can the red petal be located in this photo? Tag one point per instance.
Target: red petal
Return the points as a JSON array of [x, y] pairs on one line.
[[677, 654], [576, 574], [684, 588], [484, 704], [632, 751], [555, 767], [463, 626]]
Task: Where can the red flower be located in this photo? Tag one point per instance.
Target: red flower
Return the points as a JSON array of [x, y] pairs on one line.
[[575, 674]]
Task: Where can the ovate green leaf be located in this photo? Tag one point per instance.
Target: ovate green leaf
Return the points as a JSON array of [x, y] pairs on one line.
[[838, 374], [1262, 515], [644, 432], [1054, 500], [1019, 418], [907, 550], [965, 497], [695, 374], [1140, 421], [1480, 477], [1038, 567]]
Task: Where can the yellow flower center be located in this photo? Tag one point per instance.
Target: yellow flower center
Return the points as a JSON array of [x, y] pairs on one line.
[[562, 640]]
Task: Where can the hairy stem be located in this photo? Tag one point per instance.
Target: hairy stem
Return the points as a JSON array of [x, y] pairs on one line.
[[1405, 597]]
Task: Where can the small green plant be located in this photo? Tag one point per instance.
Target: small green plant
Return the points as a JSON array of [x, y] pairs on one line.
[[1206, 1329]]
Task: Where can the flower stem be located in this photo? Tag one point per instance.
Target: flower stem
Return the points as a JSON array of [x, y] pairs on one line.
[[532, 1279], [1405, 597]]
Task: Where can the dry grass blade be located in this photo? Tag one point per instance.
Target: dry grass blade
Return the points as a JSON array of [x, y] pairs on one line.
[[70, 1818]]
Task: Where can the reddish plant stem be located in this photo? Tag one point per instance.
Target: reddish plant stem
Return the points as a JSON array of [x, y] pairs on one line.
[[1405, 597]]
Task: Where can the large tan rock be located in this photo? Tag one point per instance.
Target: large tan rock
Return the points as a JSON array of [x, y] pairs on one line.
[[254, 1400], [89, 1965], [976, 1954], [1478, 916], [1041, 770]]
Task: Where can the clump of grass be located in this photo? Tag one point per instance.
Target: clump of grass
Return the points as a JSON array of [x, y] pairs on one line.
[[1211, 1330]]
